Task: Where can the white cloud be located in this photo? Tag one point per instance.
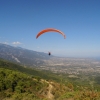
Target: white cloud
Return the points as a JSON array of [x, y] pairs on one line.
[[4, 42], [16, 43]]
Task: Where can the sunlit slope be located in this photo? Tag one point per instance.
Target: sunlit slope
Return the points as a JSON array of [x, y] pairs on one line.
[[19, 83], [31, 71], [15, 84]]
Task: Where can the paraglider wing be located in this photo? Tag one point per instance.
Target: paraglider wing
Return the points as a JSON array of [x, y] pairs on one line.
[[50, 30]]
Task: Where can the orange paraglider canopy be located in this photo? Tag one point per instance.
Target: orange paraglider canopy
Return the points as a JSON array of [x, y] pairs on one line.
[[50, 30]]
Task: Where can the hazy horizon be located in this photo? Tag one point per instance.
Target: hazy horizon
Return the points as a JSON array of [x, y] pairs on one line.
[[58, 55]]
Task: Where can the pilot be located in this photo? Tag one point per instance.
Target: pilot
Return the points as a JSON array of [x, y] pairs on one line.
[[49, 53]]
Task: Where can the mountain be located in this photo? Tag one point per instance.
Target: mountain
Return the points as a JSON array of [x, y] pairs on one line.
[[43, 61], [22, 56]]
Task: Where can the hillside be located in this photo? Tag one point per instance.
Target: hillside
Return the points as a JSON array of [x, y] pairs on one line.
[[31, 71], [18, 84], [22, 56], [43, 61]]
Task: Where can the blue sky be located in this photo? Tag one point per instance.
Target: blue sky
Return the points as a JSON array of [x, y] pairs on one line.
[[21, 20]]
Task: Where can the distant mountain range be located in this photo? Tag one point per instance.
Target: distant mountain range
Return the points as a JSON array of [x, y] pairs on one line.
[[42, 60], [22, 56]]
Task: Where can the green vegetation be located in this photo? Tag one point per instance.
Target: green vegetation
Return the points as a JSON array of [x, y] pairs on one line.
[[31, 71], [19, 83], [16, 85]]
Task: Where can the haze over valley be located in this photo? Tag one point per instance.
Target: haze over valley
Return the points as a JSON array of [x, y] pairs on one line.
[[40, 60]]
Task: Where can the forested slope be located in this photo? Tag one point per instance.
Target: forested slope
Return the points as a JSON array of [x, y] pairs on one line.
[[19, 83]]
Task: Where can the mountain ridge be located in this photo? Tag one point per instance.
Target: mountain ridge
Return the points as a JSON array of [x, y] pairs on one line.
[[22, 56]]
